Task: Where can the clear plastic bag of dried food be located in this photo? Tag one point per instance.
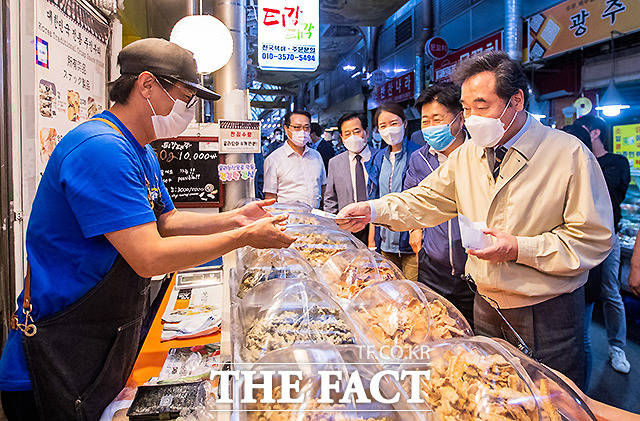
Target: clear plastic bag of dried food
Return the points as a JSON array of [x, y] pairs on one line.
[[315, 403], [271, 264], [557, 400], [472, 379], [307, 218], [295, 206], [399, 317], [318, 244], [283, 312], [350, 271]]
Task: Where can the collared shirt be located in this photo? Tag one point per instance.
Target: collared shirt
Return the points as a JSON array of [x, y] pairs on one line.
[[391, 178], [366, 156], [294, 177], [551, 195], [517, 136], [441, 157], [314, 145]]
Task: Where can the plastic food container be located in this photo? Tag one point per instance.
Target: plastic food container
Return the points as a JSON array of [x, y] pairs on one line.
[[283, 312], [271, 264], [350, 271], [398, 316], [318, 244], [311, 360], [475, 379], [306, 218], [288, 207], [552, 393]]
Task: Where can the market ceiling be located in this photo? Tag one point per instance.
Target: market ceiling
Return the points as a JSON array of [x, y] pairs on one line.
[[339, 19]]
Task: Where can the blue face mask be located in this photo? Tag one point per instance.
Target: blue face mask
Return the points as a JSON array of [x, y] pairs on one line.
[[439, 137]]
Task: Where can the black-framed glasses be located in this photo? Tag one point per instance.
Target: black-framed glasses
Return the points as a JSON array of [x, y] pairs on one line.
[[192, 98], [521, 345]]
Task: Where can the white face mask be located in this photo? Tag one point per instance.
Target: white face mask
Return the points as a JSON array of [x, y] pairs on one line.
[[173, 124], [486, 132], [354, 143], [300, 138], [392, 135]]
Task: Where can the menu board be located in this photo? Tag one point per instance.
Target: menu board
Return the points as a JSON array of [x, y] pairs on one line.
[[189, 168], [70, 56], [626, 142]]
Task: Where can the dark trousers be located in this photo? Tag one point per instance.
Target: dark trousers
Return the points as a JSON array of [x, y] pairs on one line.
[[553, 330], [363, 235], [19, 406]]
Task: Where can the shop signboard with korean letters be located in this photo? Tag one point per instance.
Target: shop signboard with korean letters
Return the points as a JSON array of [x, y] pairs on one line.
[[288, 37], [443, 69], [577, 23], [70, 59]]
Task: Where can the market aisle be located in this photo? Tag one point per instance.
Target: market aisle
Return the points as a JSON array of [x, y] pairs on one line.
[[607, 385]]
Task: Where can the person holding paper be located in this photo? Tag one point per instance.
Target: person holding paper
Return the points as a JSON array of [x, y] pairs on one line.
[[542, 195], [441, 257]]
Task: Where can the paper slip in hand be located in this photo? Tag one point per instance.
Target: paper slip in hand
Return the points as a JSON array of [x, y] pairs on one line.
[[323, 214], [471, 233]]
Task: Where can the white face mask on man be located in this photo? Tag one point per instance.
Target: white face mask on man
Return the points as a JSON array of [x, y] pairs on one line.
[[486, 132], [354, 143], [173, 124], [300, 137]]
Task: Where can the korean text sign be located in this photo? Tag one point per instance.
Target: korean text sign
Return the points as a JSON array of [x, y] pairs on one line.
[[626, 141], [70, 56], [444, 68], [288, 37], [577, 23], [239, 136], [397, 89]]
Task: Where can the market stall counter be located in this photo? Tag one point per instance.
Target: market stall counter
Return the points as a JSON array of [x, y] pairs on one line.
[[172, 357]]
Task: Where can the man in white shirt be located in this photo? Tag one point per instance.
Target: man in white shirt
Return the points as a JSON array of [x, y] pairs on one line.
[[348, 171], [295, 172]]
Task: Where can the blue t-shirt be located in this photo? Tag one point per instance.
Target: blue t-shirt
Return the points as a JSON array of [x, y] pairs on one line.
[[94, 183]]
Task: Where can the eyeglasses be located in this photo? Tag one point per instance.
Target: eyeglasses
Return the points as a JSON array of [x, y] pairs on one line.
[[191, 96], [298, 127], [521, 345]]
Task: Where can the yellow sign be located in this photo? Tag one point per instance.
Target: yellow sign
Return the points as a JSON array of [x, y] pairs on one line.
[[576, 23], [626, 141]]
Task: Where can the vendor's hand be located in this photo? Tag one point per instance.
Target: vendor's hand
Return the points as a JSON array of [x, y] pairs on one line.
[[634, 280], [503, 249], [268, 233], [354, 209], [415, 240], [253, 211]]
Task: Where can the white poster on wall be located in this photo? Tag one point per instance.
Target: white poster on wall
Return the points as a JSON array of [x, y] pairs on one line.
[[288, 34], [70, 62]]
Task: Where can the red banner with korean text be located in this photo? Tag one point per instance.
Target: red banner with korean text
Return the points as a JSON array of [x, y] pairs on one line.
[[444, 68], [398, 89]]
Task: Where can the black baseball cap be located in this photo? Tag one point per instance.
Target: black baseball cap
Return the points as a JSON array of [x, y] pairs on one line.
[[163, 58]]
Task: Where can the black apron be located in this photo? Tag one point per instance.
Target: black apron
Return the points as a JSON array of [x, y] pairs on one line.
[[80, 358]]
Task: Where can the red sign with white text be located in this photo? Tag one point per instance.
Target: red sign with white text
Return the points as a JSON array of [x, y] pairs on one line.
[[397, 89], [444, 68]]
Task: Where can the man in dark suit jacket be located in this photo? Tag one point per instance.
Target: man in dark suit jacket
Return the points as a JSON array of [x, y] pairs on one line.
[[318, 143], [342, 182]]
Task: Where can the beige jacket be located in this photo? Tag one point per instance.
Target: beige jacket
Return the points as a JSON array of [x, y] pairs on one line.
[[550, 194]]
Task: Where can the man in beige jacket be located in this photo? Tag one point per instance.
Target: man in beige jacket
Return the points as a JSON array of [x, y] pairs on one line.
[[544, 199]]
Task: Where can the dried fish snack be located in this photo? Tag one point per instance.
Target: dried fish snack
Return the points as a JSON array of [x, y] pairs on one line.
[[318, 244], [350, 271], [274, 264], [401, 314]]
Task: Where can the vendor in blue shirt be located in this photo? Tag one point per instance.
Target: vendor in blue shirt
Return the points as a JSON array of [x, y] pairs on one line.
[[389, 168], [102, 223]]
